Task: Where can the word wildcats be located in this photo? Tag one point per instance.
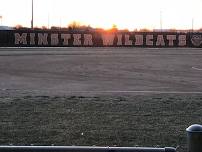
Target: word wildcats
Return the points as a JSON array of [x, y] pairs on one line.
[[147, 39]]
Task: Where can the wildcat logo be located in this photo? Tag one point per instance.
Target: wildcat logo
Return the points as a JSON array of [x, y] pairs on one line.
[[196, 40]]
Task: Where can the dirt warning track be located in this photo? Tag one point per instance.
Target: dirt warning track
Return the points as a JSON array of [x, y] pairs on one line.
[[100, 70]]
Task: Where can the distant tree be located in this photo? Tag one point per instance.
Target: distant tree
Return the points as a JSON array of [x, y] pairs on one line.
[[135, 30], [173, 30], [124, 30], [44, 27], [18, 26], [74, 25], [55, 28], [145, 30], [114, 26], [1, 18]]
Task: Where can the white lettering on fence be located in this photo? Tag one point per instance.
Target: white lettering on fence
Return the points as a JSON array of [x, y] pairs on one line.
[[171, 39], [88, 40], [119, 42], [127, 40], [182, 40], [54, 39], [109, 39], [65, 38], [139, 40], [149, 40], [42, 38], [77, 39], [32, 39], [160, 41], [20, 39]]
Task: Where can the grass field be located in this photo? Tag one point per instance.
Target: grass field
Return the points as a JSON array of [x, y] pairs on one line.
[[81, 96], [151, 120]]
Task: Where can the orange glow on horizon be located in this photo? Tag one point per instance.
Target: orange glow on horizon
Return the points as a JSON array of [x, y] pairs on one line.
[[126, 14]]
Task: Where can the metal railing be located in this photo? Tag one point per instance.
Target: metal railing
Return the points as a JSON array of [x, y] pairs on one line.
[[194, 139], [82, 149]]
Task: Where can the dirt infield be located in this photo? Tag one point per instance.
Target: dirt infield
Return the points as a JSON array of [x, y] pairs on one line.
[[103, 97], [65, 71]]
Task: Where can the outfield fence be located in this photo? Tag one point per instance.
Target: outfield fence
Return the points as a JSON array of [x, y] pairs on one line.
[[76, 38]]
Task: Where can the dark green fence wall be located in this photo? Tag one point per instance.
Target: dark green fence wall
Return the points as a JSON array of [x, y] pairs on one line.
[[58, 38]]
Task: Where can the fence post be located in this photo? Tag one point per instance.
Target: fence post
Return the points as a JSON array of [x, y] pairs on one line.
[[194, 138]]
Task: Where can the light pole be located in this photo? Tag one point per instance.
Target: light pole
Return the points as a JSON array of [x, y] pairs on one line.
[[161, 21], [1, 17], [32, 21]]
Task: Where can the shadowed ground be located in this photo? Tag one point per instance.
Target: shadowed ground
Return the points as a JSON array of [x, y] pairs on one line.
[[99, 96]]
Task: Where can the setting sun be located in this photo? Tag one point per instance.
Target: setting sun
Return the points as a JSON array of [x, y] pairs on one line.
[[130, 14]]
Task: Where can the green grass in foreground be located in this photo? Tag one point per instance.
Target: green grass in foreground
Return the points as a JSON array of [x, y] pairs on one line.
[[152, 120]]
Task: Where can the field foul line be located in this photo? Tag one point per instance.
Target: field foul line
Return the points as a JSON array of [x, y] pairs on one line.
[[111, 91], [195, 68], [163, 92]]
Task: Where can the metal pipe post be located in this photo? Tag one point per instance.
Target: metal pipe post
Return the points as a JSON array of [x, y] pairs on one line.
[[194, 138]]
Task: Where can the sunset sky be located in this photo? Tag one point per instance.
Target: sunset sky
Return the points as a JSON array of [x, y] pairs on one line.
[[131, 14]]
